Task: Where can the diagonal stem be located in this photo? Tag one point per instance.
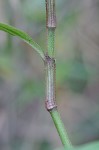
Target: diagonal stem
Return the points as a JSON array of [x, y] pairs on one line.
[[60, 128]]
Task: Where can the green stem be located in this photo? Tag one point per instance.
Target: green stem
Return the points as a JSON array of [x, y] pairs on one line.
[[50, 42], [51, 87], [50, 66], [60, 128]]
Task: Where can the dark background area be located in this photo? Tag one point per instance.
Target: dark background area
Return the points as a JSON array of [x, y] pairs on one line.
[[24, 122]]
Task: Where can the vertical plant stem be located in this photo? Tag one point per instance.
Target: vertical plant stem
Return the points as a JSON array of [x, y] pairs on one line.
[[50, 66], [50, 42], [50, 102], [50, 87], [50, 25]]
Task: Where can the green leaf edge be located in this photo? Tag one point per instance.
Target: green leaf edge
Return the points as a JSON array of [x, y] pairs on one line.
[[24, 36]]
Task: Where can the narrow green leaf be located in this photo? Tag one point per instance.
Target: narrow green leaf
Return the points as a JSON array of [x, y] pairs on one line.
[[24, 36]]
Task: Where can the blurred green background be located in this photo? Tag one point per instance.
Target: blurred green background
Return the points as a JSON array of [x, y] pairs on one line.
[[24, 122]]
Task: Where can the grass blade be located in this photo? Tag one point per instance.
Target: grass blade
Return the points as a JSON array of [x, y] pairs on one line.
[[24, 36]]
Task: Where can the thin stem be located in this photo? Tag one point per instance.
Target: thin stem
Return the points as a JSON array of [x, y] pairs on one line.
[[50, 66], [51, 100], [50, 42], [50, 14], [50, 25], [50, 83], [60, 128]]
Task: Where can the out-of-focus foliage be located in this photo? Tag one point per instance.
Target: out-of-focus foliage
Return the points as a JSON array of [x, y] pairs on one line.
[[90, 146], [29, 89], [24, 123], [6, 69], [31, 12]]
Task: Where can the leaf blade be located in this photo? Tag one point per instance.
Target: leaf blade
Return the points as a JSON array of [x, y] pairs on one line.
[[24, 36]]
